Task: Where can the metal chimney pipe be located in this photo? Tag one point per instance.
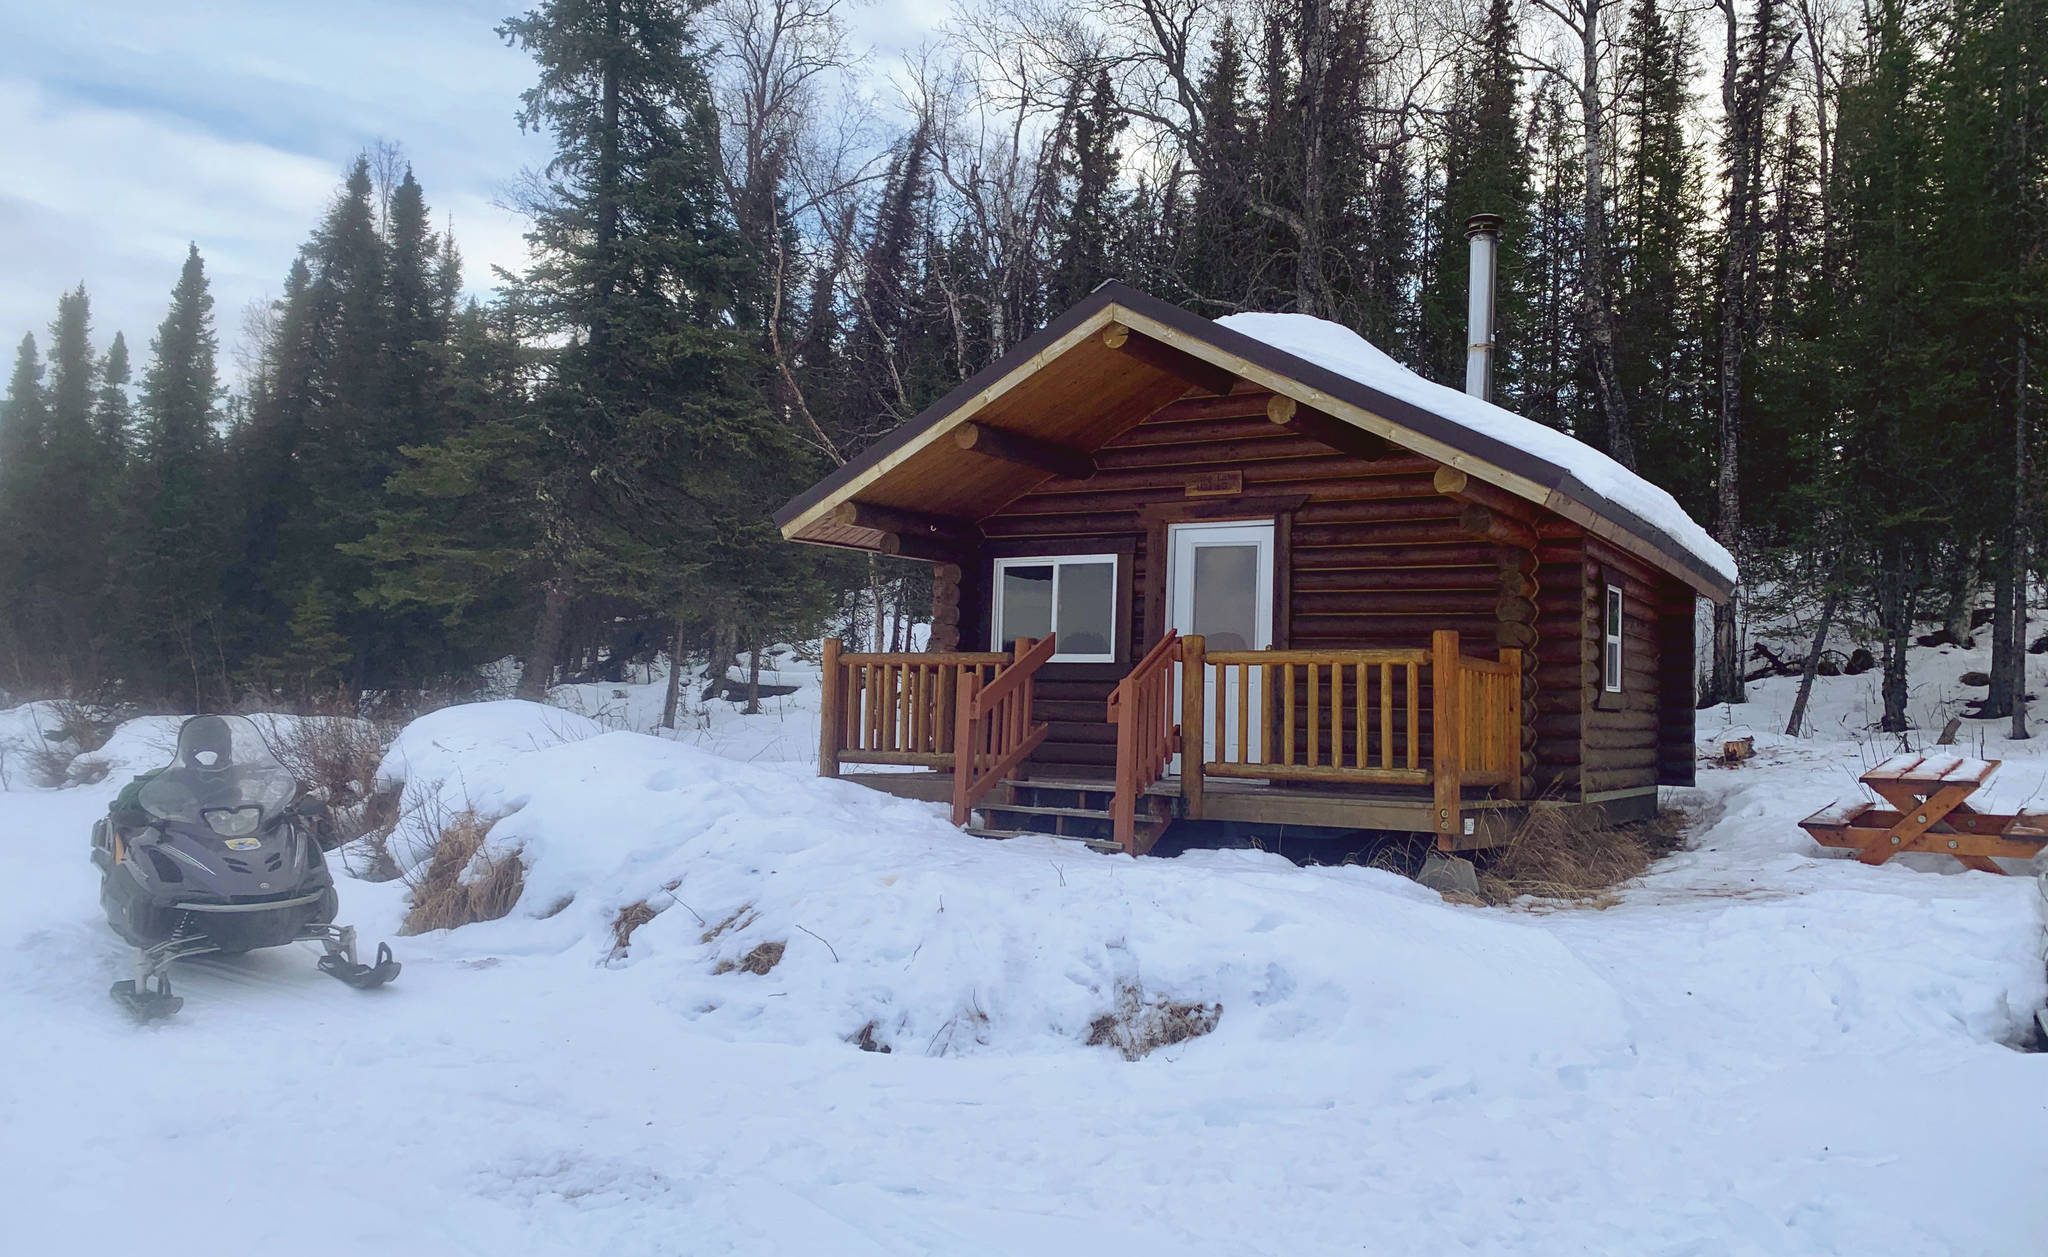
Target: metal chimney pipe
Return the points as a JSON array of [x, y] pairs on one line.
[[1483, 230]]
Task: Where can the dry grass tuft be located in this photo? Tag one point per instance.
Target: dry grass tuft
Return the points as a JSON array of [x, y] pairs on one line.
[[462, 882], [739, 919], [1139, 1026], [764, 957], [630, 918], [1576, 855]]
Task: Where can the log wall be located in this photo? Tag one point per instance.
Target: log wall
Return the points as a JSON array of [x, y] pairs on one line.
[[1372, 554]]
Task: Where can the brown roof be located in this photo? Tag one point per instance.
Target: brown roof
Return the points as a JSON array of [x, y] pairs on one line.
[[1098, 392]]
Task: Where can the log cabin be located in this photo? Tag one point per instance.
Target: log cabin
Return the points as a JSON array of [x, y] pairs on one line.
[[1252, 573]]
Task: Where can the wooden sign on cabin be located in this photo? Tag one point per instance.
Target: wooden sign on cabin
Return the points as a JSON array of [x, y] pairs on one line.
[[1215, 484]]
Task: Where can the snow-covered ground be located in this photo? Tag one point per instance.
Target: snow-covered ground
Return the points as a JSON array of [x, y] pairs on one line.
[[1761, 1049]]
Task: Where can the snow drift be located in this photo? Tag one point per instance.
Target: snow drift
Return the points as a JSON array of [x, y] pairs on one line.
[[897, 931]]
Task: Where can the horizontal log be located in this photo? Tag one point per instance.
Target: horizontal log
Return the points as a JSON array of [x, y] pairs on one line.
[[1243, 403], [1326, 428], [1598, 737], [1375, 580], [892, 519], [1020, 449], [1198, 372], [1208, 453], [1616, 758], [1461, 553], [1375, 512], [1477, 629], [1390, 602], [931, 549], [1091, 525], [1480, 521], [1515, 610], [1515, 636], [1422, 532]]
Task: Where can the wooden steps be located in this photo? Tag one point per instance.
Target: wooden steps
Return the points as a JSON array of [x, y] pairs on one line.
[[1076, 809]]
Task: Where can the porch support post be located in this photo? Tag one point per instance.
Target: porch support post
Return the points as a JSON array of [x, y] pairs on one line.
[[1446, 737], [832, 713], [1193, 745], [964, 748], [1511, 722]]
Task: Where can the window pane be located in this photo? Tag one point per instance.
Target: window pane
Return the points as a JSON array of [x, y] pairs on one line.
[[1614, 666], [1226, 610], [1087, 610], [1613, 612], [1027, 604]]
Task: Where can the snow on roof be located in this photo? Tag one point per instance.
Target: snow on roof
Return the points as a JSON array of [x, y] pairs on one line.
[[1339, 349]]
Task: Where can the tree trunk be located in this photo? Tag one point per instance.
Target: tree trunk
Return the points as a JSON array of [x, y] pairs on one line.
[[1310, 284], [2020, 548], [547, 639], [1895, 609], [1998, 698], [1828, 607], [1597, 299], [754, 679], [674, 698]]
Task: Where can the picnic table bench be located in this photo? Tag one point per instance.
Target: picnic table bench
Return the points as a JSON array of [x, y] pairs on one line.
[[1928, 812]]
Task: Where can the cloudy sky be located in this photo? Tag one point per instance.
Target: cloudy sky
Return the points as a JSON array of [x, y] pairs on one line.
[[130, 127]]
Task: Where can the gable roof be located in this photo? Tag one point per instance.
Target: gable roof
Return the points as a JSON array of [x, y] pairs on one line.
[[1098, 393]]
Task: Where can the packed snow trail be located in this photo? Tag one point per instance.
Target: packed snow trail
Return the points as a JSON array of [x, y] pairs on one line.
[[1760, 1050]]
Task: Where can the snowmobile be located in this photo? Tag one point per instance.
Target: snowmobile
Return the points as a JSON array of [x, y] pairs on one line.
[[214, 853]]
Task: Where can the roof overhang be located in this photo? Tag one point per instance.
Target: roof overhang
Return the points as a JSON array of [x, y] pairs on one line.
[[926, 477]]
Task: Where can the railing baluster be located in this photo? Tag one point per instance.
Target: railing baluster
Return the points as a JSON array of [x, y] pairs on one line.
[[1315, 722]]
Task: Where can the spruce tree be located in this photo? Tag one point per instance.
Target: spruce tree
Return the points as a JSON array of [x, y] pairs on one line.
[[167, 579], [1485, 171], [69, 537], [113, 415], [654, 413], [24, 416]]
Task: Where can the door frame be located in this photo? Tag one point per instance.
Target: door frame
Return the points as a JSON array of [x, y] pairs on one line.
[[1269, 531], [1278, 509]]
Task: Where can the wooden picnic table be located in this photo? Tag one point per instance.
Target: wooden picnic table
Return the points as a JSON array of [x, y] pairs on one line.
[[1929, 812]]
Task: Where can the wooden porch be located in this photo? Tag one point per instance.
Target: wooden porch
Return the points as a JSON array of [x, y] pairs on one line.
[[1420, 740]]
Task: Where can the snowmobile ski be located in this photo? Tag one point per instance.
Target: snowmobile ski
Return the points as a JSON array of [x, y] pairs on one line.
[[151, 1002], [360, 976]]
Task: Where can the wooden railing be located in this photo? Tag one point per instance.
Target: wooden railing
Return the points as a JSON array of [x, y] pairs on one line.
[[895, 708], [1147, 737], [995, 731], [1354, 717]]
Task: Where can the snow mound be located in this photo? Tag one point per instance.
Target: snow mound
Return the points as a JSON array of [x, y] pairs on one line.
[[790, 909], [1339, 349]]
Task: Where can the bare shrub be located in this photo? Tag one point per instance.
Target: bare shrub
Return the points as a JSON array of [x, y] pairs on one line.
[[1140, 1024], [1575, 854], [336, 758], [764, 957], [864, 1039], [462, 881], [630, 918]]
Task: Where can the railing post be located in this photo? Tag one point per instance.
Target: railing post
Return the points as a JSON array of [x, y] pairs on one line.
[[964, 748], [1511, 734], [1123, 807], [1193, 724], [832, 710], [1446, 736]]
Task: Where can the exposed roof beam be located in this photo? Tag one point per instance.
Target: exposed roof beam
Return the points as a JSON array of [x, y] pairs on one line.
[[1343, 437], [1199, 372], [1025, 451], [907, 524]]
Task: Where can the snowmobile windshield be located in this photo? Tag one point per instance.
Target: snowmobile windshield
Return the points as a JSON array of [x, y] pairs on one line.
[[224, 776]]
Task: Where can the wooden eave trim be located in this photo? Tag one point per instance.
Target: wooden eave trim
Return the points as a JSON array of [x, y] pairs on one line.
[[944, 426], [1552, 499]]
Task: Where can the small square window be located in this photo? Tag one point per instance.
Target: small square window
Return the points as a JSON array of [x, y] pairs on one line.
[[1073, 596]]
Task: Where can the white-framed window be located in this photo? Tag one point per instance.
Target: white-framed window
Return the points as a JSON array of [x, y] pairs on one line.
[[1610, 636], [1073, 595]]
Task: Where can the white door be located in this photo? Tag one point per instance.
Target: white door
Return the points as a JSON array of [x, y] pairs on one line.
[[1219, 580]]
